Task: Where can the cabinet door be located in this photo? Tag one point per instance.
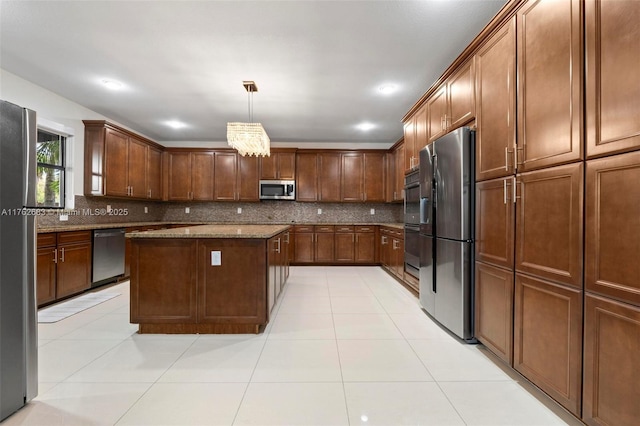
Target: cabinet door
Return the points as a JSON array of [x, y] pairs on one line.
[[385, 245], [225, 176], [495, 105], [46, 274], [248, 168], [286, 165], [494, 310], [437, 114], [137, 168], [611, 373], [202, 175], [399, 191], [612, 77], [179, 176], [352, 177], [345, 245], [329, 177], [375, 177], [307, 177], [269, 166], [324, 247], [548, 338], [397, 257], [461, 96], [495, 215], [549, 224], [409, 143], [365, 250], [74, 269], [303, 247], [390, 174], [154, 173], [549, 83], [422, 137], [116, 146], [612, 231]]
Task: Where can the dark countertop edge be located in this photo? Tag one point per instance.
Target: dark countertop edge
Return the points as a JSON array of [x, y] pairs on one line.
[[89, 227], [162, 233]]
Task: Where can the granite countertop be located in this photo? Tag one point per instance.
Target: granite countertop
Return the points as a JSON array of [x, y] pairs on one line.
[[214, 231]]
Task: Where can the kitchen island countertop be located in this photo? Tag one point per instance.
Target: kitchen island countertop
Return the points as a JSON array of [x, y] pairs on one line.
[[214, 231]]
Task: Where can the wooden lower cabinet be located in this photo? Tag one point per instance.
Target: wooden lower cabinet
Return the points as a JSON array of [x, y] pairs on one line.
[[611, 374], [548, 338], [345, 247], [303, 245], [324, 247], [494, 310], [365, 247], [64, 262]]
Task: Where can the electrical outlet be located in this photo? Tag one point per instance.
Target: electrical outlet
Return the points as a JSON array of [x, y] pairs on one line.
[[64, 217], [216, 258], [146, 209], [187, 210], [373, 211], [319, 211], [239, 210], [108, 208]]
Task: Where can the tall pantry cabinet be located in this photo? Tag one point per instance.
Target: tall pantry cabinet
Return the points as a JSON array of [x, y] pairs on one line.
[[558, 236]]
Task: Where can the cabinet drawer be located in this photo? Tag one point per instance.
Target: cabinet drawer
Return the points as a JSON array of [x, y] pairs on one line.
[[303, 228], [344, 228], [360, 228], [324, 228], [47, 240], [386, 231], [72, 237]]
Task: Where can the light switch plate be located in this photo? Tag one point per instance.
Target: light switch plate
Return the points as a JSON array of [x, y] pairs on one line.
[[146, 209], [108, 207], [216, 258], [64, 217]]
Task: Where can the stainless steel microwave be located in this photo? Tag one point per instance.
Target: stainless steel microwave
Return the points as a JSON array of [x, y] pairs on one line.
[[277, 190]]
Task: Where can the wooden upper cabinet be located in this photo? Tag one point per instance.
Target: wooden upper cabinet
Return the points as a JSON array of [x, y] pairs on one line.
[[119, 163], [495, 215], [375, 175], [306, 177], [437, 114], [280, 165], [612, 233], [612, 78], [352, 177], [225, 176], [461, 96], [550, 83], [248, 178], [390, 168], [329, 179], [415, 137], [549, 223], [495, 104], [178, 176], [399, 187], [202, 176]]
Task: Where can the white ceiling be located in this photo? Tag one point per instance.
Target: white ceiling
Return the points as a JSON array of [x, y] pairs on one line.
[[318, 64]]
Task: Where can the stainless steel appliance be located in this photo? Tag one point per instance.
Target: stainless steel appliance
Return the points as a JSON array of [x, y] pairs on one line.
[[277, 190], [18, 323], [447, 230], [412, 224], [108, 255]]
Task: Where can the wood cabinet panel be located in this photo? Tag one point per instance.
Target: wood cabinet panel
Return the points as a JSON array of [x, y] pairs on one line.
[[279, 165], [365, 248], [306, 177], [399, 188], [329, 177], [548, 338], [162, 288], [375, 177], [324, 247], [179, 176], [345, 247], [235, 291], [202, 176], [303, 246], [437, 114], [115, 168], [494, 310], [248, 178], [549, 223], [137, 168], [352, 177], [74, 269], [611, 373], [406, 163], [495, 222], [549, 83], [612, 77], [154, 173], [613, 227], [461, 96], [495, 104], [46, 258], [225, 176]]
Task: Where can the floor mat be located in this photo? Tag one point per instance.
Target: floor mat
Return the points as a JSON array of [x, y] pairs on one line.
[[71, 307]]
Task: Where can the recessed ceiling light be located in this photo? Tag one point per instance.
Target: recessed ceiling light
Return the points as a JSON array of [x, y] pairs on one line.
[[112, 84], [175, 124], [387, 89], [365, 127]]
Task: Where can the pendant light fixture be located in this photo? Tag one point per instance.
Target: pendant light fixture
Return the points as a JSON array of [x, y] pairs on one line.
[[249, 138]]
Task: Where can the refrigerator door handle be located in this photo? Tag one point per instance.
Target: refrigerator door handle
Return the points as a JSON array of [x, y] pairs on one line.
[[30, 130]]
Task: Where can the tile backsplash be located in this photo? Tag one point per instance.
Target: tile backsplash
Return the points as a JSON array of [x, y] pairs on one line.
[[89, 210]]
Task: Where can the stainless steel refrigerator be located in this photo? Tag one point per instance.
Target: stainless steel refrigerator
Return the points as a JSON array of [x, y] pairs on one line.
[[447, 230], [18, 322]]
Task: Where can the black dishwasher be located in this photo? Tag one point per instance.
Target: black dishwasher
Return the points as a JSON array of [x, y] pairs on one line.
[[108, 255]]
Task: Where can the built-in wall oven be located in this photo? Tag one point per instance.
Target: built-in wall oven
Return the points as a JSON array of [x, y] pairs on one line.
[[412, 224]]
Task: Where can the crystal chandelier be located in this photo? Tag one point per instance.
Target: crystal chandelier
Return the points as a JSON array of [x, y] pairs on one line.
[[248, 138]]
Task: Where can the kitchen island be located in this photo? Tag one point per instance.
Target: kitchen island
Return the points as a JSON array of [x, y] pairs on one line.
[[207, 278]]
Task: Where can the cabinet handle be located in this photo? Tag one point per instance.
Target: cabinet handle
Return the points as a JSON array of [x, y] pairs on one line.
[[364, 229], [287, 240], [506, 158], [62, 254], [518, 160], [441, 123], [383, 240], [132, 191], [515, 190], [149, 193], [55, 255], [278, 249]]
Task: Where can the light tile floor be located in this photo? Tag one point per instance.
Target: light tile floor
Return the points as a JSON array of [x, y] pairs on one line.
[[346, 345]]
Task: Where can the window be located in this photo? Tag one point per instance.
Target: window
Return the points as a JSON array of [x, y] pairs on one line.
[[51, 170]]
